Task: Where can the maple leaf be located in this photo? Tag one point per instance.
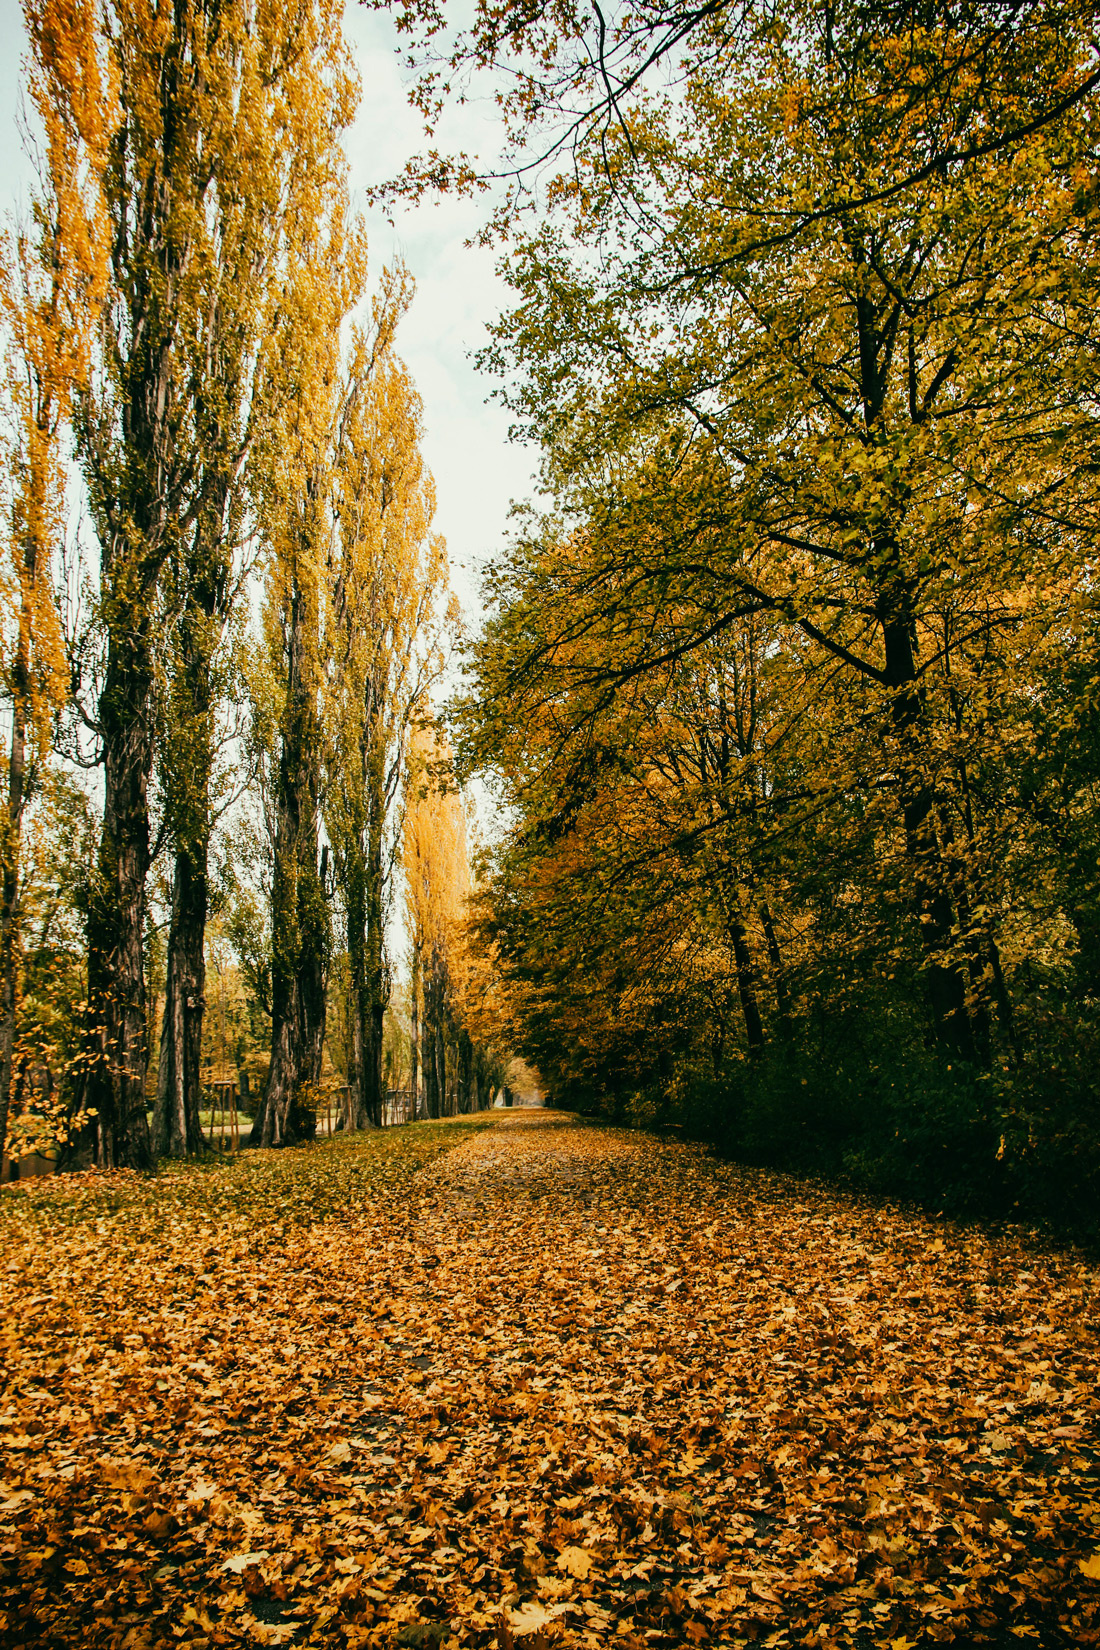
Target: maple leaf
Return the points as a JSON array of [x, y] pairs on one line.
[[1090, 1566], [575, 1561], [530, 1618]]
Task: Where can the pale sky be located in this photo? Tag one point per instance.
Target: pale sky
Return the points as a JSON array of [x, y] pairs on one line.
[[477, 472]]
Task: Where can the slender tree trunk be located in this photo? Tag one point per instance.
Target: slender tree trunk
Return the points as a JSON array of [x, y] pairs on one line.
[[441, 1060], [946, 982], [115, 1087], [717, 1041], [435, 1071], [985, 948], [779, 976], [414, 1032], [299, 916], [13, 830], [463, 1062], [314, 930], [376, 955], [746, 987], [355, 900], [177, 1131]]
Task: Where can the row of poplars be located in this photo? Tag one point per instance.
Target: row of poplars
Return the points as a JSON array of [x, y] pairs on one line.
[[250, 635]]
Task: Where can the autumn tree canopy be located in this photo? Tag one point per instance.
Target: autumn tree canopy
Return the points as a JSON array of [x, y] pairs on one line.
[[806, 333], [787, 694], [258, 610]]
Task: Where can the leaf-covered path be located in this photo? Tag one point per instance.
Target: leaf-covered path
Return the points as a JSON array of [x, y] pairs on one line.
[[527, 1381]]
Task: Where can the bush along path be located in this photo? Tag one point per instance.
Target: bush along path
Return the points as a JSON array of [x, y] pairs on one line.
[[527, 1383]]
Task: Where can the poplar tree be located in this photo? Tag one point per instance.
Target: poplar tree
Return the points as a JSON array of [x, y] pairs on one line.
[[385, 643], [53, 275], [288, 94], [224, 111], [193, 187], [454, 1067], [295, 477]]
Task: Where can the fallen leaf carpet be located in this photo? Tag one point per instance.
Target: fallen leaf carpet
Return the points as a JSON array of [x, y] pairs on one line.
[[520, 1382]]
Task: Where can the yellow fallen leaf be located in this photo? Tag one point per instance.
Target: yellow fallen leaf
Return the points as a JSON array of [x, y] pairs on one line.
[[240, 1562], [575, 1562], [552, 1588], [530, 1618], [1090, 1566]]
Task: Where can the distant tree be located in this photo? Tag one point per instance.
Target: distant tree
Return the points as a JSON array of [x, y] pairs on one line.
[[384, 645], [452, 1047]]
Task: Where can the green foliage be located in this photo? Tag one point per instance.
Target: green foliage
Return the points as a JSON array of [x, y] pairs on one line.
[[1019, 1145], [791, 698]]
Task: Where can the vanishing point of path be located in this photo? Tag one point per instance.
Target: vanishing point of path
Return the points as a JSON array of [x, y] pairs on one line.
[[519, 1381]]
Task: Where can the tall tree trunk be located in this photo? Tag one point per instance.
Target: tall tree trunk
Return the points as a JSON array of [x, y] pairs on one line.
[[115, 1087], [177, 1131], [376, 955], [315, 935], [299, 916], [985, 949], [355, 903], [414, 1032], [945, 978], [746, 987], [13, 830], [462, 1071], [441, 1057], [140, 483], [779, 976], [435, 1071]]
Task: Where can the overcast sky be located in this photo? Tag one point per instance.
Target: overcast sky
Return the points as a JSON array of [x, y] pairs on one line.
[[477, 472]]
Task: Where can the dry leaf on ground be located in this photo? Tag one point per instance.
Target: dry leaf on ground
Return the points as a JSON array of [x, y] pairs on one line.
[[239, 1410]]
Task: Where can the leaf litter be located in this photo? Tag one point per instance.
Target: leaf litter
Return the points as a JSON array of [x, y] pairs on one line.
[[524, 1382]]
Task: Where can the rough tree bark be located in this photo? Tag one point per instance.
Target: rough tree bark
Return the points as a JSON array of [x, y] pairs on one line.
[[414, 1033], [746, 987], [13, 828], [139, 465], [435, 1070], [945, 979], [377, 994], [177, 1131], [299, 915]]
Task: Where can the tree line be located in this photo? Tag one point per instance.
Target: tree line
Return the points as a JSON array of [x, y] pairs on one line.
[[242, 650], [791, 692]]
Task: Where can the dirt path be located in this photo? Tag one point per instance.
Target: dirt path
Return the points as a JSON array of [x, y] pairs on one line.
[[556, 1385]]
